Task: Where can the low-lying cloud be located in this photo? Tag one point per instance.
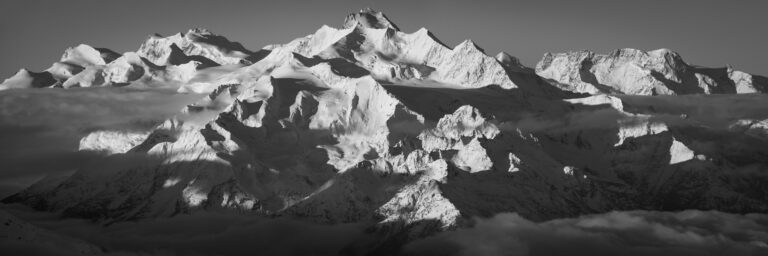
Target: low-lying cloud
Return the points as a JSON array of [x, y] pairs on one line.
[[712, 111], [718, 111], [615, 233], [204, 233], [639, 233], [40, 128], [89, 108]]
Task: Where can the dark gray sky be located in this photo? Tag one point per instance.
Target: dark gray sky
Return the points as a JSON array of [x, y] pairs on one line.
[[34, 33]]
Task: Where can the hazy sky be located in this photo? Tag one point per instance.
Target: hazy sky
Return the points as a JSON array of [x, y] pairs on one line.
[[33, 33]]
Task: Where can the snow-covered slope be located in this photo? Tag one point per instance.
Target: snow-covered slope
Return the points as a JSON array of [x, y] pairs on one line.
[[366, 122]]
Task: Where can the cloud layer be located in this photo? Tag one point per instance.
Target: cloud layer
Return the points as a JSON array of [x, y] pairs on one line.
[[712, 111], [204, 234], [717, 111], [614, 233]]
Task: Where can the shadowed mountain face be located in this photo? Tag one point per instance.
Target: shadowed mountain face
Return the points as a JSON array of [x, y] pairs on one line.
[[369, 124]]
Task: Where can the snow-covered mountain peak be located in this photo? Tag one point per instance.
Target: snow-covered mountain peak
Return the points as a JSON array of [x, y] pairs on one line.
[[468, 45], [637, 72], [369, 18], [28, 79], [660, 58], [199, 31], [83, 55], [198, 41]]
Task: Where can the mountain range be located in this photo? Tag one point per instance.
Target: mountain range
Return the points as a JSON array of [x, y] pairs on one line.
[[369, 123]]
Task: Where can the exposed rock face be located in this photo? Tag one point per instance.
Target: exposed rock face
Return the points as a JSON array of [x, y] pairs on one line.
[[369, 123], [631, 71]]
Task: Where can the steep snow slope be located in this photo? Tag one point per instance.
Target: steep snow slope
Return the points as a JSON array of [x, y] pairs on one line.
[[367, 122], [631, 71]]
